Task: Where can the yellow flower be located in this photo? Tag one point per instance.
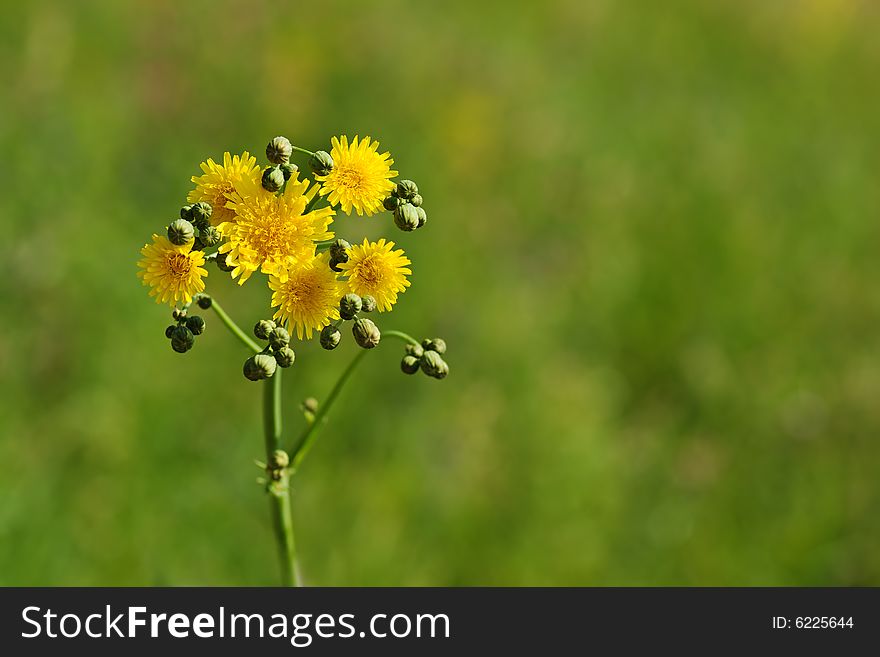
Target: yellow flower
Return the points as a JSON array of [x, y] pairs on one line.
[[374, 269], [307, 295], [270, 233], [217, 184], [173, 272], [360, 178]]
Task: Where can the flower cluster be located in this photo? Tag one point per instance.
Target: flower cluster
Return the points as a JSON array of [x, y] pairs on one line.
[[250, 219]]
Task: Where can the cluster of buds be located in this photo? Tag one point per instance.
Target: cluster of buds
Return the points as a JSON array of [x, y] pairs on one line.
[[194, 227], [364, 330], [427, 356], [406, 204], [183, 332], [276, 354], [278, 152]]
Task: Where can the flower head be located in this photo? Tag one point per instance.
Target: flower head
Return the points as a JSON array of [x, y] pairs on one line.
[[374, 269], [217, 184], [360, 178], [271, 233], [307, 295], [173, 272]]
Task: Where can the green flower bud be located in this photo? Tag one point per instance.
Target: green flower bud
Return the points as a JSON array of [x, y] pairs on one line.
[[409, 365], [321, 163], [273, 179], [310, 405], [180, 232], [288, 169], [210, 236], [178, 313], [334, 265], [406, 189], [414, 350], [423, 217], [406, 217], [195, 324], [279, 338], [261, 366], [366, 333], [437, 344], [201, 214], [416, 200], [182, 339], [202, 300], [186, 212], [434, 365], [169, 330], [285, 356], [279, 150], [263, 328], [368, 303], [349, 306], [330, 337], [391, 203], [339, 250], [279, 459], [221, 263]]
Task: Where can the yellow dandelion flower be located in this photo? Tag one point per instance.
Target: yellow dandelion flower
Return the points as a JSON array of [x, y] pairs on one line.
[[217, 184], [271, 233], [361, 176], [173, 272], [374, 269], [307, 296]]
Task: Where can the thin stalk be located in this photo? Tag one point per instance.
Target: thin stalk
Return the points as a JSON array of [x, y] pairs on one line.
[[304, 151], [400, 335], [232, 326], [279, 493], [311, 432]]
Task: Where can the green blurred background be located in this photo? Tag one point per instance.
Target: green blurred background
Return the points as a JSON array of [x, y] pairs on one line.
[[652, 247]]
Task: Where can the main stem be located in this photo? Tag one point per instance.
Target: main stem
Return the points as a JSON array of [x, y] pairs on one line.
[[279, 493]]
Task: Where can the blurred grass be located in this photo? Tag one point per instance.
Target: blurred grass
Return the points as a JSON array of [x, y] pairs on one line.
[[652, 247]]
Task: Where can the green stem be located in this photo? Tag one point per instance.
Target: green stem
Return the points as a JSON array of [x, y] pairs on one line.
[[304, 151], [400, 335], [311, 432], [279, 493], [232, 326]]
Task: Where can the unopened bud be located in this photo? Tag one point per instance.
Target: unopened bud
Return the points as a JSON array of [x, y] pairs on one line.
[[435, 344], [391, 203], [330, 337], [416, 200], [202, 300], [423, 217], [349, 306], [339, 250], [279, 338], [186, 212], [284, 356], [261, 366], [406, 189], [182, 339], [180, 232], [279, 150], [366, 333], [273, 179], [210, 236], [201, 214], [434, 365], [406, 217], [178, 313], [195, 324], [169, 330], [288, 169], [310, 405], [263, 328], [409, 365], [321, 163], [414, 349], [222, 263], [368, 303]]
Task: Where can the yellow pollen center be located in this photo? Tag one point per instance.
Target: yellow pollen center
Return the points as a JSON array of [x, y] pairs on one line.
[[370, 272], [350, 177], [178, 264]]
